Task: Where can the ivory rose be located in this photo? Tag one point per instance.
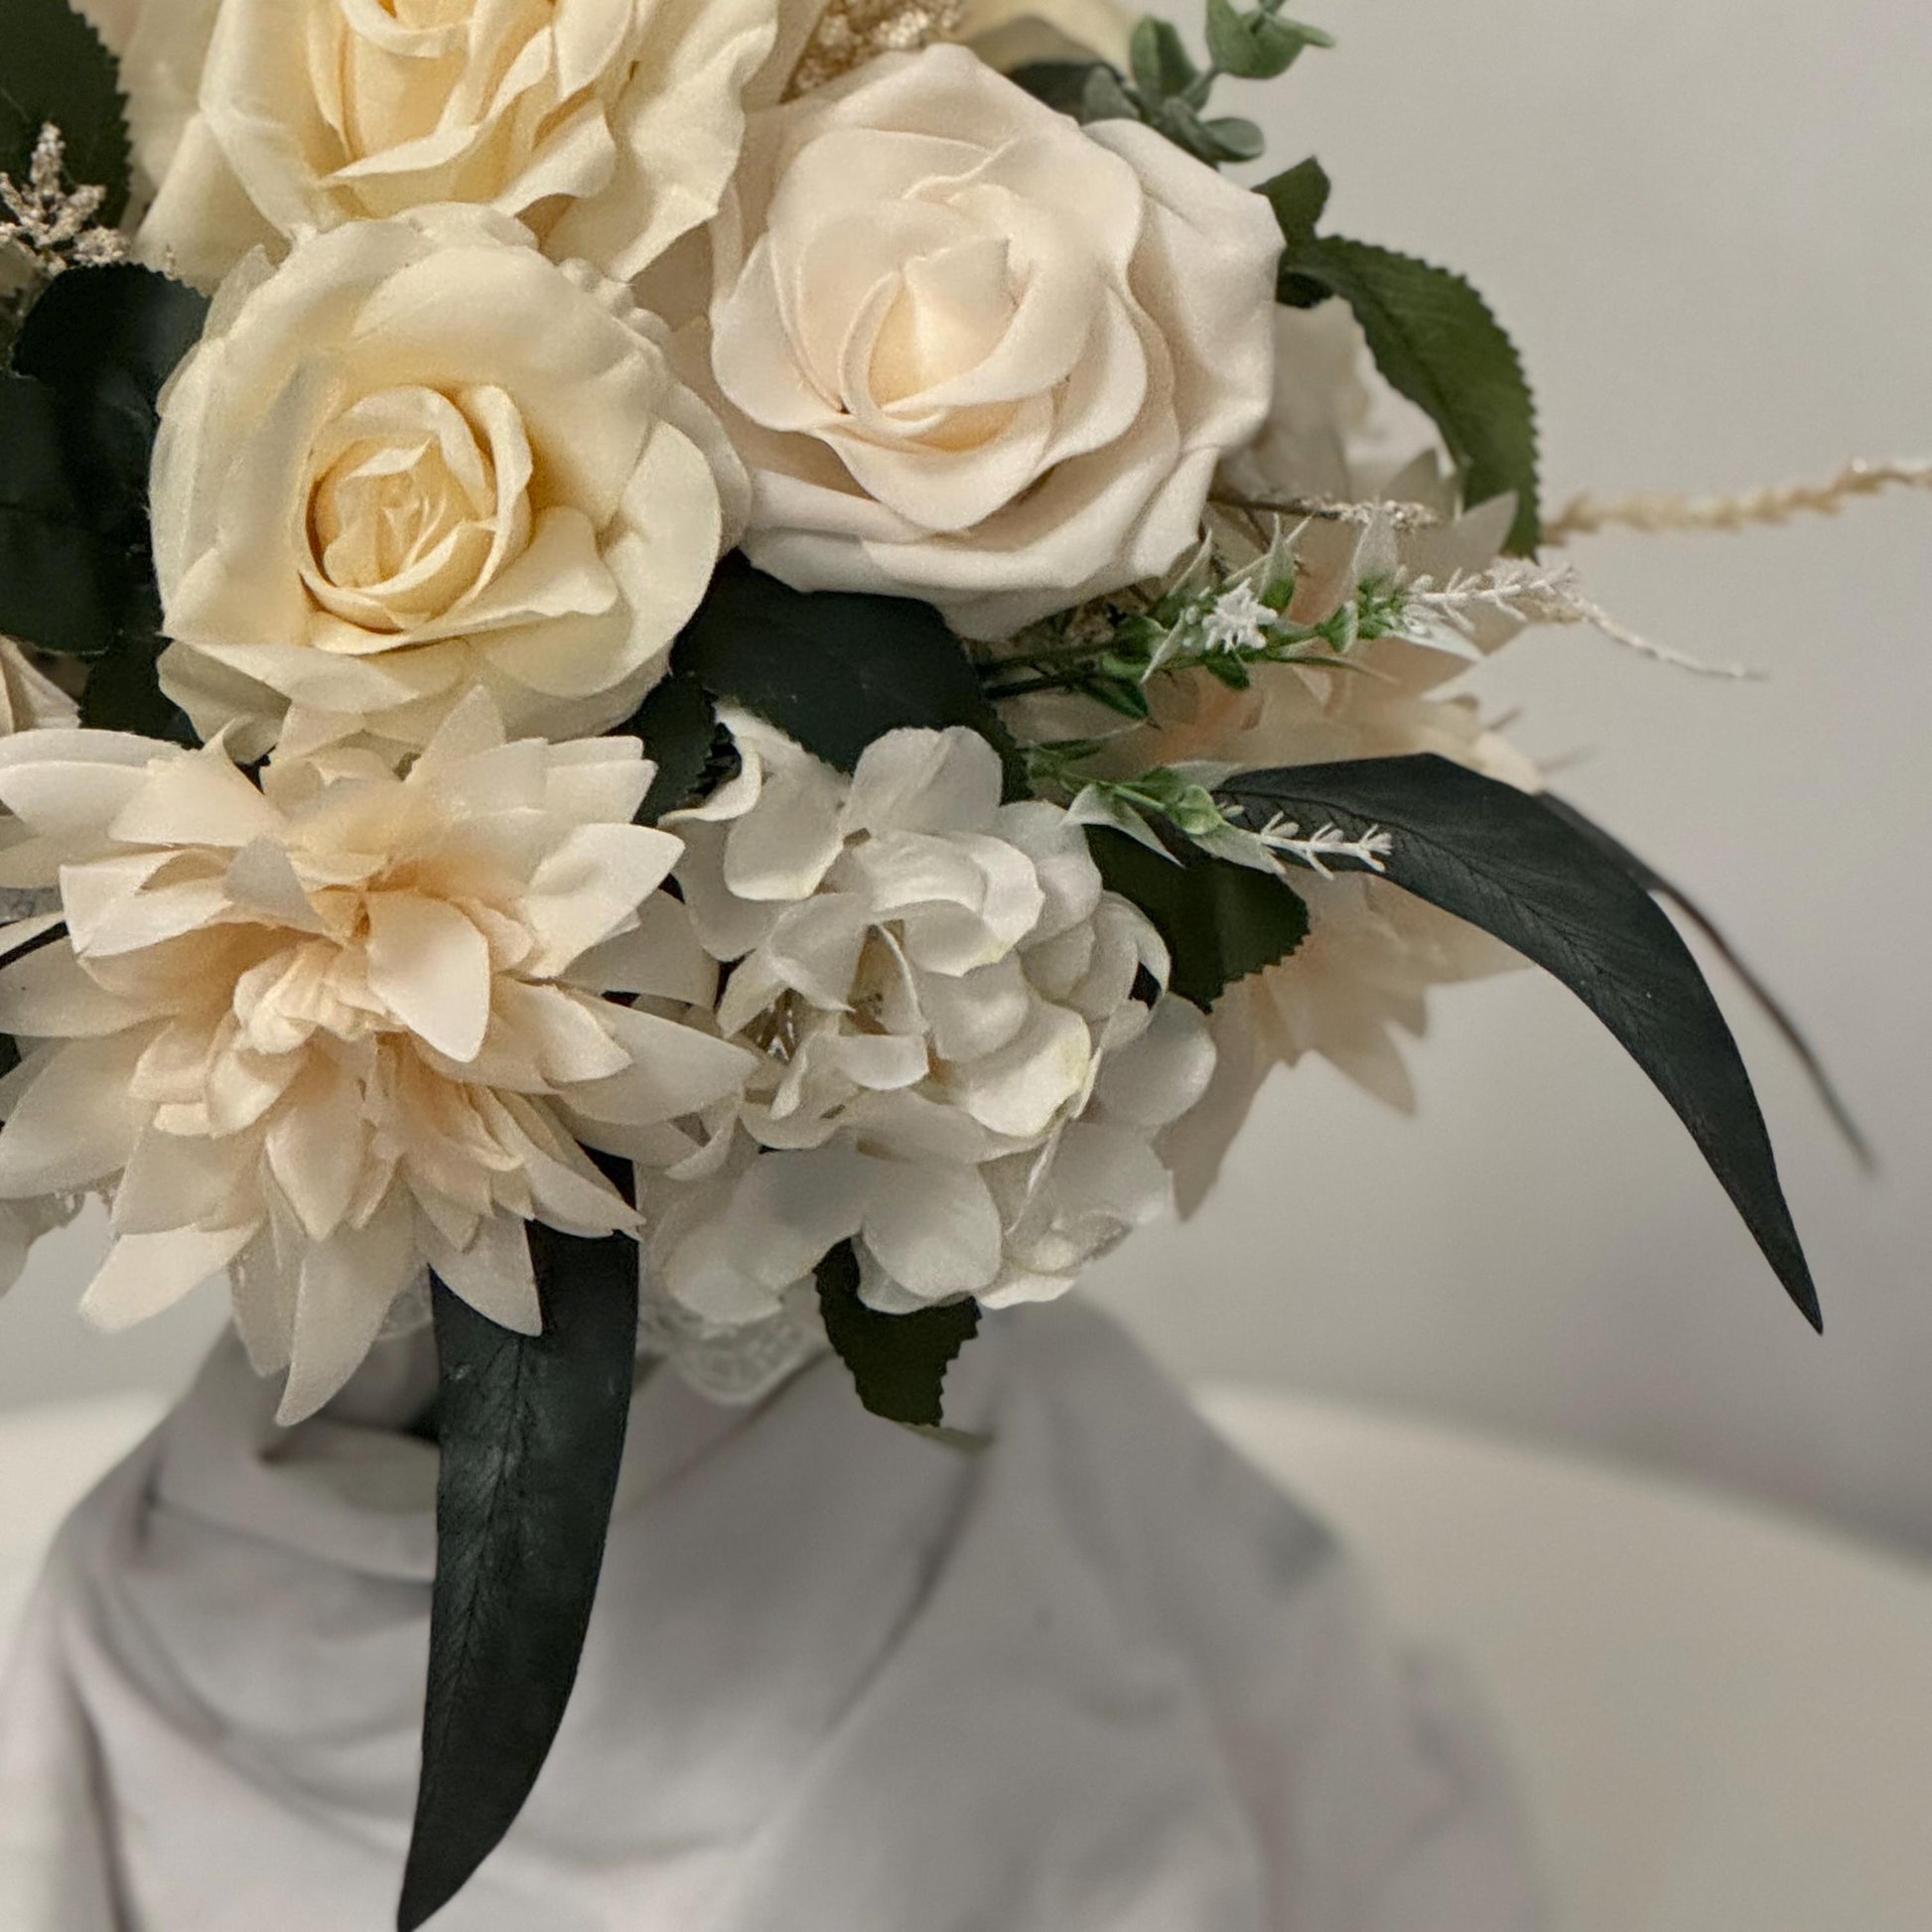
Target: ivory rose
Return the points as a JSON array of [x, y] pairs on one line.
[[974, 353], [344, 1028], [417, 457], [608, 125]]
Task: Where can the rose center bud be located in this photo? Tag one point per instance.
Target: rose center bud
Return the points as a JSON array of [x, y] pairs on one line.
[[406, 513], [951, 310]]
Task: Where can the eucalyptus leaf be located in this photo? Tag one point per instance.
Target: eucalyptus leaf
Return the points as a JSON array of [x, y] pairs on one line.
[[1504, 860], [59, 72], [1221, 921], [531, 1433], [1161, 64], [833, 669], [1260, 45], [898, 1362], [1437, 341]]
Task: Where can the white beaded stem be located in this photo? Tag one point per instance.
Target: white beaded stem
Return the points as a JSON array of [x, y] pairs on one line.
[[1585, 516]]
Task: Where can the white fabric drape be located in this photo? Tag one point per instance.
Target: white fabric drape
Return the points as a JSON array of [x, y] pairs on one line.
[[1100, 1676]]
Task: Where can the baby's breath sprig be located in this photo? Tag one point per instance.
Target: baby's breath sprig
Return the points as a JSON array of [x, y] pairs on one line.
[[52, 220], [1209, 619]]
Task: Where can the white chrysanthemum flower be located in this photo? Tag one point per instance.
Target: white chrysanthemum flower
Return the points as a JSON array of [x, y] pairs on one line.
[[347, 1026], [965, 1052]]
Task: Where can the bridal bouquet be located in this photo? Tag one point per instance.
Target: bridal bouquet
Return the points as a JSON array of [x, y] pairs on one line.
[[720, 678]]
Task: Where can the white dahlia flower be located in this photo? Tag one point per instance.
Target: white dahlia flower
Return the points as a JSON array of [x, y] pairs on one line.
[[346, 1027], [965, 1050]]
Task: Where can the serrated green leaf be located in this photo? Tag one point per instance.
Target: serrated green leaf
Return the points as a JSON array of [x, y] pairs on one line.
[[833, 669], [1221, 921], [531, 1433], [1502, 860], [56, 70], [1160, 61], [1436, 340], [898, 1362], [1300, 197]]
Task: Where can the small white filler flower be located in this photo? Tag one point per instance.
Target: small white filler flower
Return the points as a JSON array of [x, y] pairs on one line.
[[966, 1047]]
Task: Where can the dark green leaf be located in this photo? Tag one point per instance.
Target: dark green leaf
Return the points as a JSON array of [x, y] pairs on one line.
[[1436, 340], [1505, 861], [531, 1430], [107, 339], [123, 691], [1216, 141], [1300, 197], [60, 576], [1160, 60], [1062, 85], [678, 725], [1773, 1009], [898, 1362], [1221, 921], [56, 70], [833, 669]]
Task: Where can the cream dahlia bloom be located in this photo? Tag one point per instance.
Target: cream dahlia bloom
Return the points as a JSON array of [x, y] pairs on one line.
[[417, 457], [965, 1054], [608, 125], [30, 700], [973, 353], [1361, 978], [345, 1028]]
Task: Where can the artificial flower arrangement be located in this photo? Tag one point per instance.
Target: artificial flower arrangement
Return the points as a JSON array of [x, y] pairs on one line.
[[715, 680]]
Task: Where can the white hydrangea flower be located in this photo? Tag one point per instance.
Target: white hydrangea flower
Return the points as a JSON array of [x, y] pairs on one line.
[[344, 1028], [965, 1051]]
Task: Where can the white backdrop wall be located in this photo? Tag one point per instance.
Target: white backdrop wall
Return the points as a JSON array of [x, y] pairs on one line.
[[1707, 222]]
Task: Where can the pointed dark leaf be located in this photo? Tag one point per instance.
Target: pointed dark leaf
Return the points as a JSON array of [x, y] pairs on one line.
[[56, 70], [834, 669], [123, 690], [60, 576], [1221, 921], [898, 1362], [531, 1430], [1505, 861], [1773, 1009], [107, 339], [1436, 340], [678, 725]]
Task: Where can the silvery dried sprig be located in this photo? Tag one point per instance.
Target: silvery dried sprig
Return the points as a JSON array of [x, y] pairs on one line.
[[52, 222]]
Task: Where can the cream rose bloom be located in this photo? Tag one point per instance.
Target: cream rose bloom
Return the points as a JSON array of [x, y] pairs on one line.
[[608, 125], [974, 353], [419, 458], [346, 1027], [965, 1052]]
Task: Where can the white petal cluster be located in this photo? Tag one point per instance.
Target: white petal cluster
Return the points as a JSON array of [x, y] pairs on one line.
[[965, 1052], [973, 353], [610, 125], [344, 1028], [416, 457]]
